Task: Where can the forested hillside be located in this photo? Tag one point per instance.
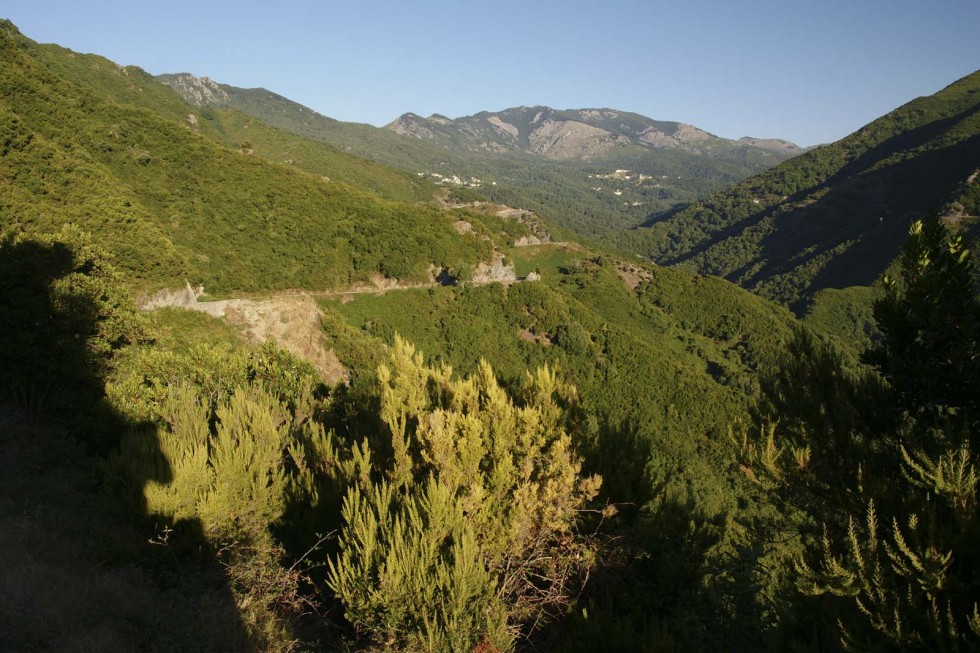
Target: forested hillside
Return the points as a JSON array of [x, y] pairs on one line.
[[132, 85], [173, 204], [575, 452], [564, 190], [835, 216]]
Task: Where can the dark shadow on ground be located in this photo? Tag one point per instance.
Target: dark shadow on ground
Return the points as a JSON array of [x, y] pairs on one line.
[[81, 569]]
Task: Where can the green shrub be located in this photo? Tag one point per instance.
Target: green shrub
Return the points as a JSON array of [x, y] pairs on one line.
[[469, 534], [64, 314], [230, 477]]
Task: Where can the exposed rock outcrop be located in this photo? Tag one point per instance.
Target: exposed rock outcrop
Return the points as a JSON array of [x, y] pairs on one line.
[[574, 134], [201, 91], [569, 139], [292, 321], [497, 271]]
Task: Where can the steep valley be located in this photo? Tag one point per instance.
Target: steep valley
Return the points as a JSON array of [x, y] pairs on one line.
[[525, 380]]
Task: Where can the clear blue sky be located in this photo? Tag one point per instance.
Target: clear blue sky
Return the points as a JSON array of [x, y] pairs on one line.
[[810, 72]]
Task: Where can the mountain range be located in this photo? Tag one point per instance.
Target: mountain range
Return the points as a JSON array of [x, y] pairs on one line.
[[534, 158], [574, 134], [829, 217], [579, 134], [210, 417]]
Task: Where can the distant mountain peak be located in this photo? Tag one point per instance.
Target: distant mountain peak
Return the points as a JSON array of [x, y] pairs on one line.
[[579, 134], [200, 91], [412, 124], [773, 144], [538, 130]]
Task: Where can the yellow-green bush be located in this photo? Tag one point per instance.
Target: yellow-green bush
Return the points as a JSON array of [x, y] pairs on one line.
[[468, 535]]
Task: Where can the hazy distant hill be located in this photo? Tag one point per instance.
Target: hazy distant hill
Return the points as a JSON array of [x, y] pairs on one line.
[[548, 166], [834, 216], [774, 144]]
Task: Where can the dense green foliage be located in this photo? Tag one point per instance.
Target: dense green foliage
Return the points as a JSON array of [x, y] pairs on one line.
[[835, 216], [560, 191], [233, 454], [662, 372], [469, 536], [171, 204], [64, 315], [885, 461], [847, 315], [168, 485], [931, 326], [318, 158], [133, 86]]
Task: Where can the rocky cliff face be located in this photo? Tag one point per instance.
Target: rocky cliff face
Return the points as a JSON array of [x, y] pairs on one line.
[[496, 271], [539, 131], [196, 90], [570, 139], [580, 134], [410, 124]]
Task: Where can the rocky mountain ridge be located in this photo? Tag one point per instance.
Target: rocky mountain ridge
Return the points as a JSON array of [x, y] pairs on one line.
[[200, 91], [580, 134], [536, 158], [561, 135]]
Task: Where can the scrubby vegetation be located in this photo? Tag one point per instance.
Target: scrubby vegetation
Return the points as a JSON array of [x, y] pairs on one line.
[[562, 192], [469, 535], [662, 372], [422, 510], [613, 457], [173, 205], [835, 216], [884, 461], [223, 456]]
